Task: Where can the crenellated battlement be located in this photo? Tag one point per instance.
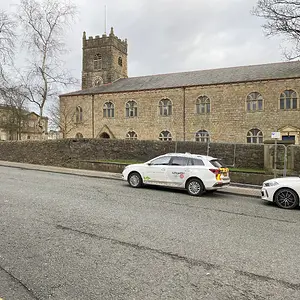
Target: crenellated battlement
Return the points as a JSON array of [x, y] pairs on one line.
[[105, 40]]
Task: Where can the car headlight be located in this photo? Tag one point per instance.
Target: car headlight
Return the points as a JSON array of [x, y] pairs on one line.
[[270, 183]]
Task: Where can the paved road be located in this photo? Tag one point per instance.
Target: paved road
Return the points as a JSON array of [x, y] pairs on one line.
[[72, 237]]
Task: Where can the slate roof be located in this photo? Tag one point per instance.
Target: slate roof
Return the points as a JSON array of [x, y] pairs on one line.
[[283, 70]]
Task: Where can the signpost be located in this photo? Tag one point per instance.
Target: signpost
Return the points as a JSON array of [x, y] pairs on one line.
[[275, 135]]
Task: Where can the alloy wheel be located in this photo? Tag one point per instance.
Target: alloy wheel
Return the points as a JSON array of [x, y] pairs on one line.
[[286, 198]]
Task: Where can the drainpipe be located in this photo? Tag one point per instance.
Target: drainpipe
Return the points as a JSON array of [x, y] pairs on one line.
[[184, 120], [93, 117]]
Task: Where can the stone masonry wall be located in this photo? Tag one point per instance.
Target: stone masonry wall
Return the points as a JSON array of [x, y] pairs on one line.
[[69, 152], [227, 122]]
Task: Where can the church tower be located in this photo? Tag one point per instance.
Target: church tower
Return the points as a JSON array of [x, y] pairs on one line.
[[104, 60]]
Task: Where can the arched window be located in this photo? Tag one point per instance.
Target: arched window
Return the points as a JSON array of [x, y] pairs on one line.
[[254, 136], [131, 109], [78, 114], [97, 62], [165, 107], [108, 110], [78, 135], [288, 100], [165, 136], [203, 105], [98, 81], [202, 136], [254, 101], [120, 62], [131, 135]]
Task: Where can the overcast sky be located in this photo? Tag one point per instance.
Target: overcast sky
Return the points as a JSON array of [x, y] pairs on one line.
[[167, 36]]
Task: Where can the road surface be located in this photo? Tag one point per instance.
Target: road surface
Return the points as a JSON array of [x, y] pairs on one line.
[[73, 237]]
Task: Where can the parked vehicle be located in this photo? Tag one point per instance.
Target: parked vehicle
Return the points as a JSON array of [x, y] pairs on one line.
[[195, 173], [283, 191]]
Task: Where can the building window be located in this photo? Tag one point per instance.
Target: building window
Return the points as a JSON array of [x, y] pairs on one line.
[[120, 62], [165, 107], [131, 109], [254, 136], [254, 101], [165, 136], [108, 110], [78, 114], [288, 100], [97, 62], [202, 136], [131, 135], [203, 105], [78, 135]]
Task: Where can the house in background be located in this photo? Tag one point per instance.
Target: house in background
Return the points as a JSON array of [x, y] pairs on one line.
[[19, 124], [54, 135]]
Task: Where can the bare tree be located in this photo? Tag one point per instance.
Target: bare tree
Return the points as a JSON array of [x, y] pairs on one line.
[[283, 18], [65, 118], [44, 24], [7, 44]]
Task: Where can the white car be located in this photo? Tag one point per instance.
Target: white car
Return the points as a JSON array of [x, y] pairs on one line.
[[195, 173], [283, 191]]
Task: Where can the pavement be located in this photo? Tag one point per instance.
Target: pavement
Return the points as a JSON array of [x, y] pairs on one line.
[[233, 188]]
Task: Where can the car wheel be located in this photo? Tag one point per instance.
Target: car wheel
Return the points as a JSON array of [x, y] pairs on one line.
[[135, 180], [195, 187], [286, 198]]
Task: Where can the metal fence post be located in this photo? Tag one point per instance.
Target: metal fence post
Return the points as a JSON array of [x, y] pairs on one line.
[[275, 159]]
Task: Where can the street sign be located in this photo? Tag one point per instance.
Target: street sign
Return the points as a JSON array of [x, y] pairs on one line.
[[275, 135]]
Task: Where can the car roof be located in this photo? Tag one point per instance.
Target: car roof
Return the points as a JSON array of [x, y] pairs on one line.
[[187, 154]]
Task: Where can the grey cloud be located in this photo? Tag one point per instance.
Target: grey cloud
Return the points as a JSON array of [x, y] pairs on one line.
[[173, 35]]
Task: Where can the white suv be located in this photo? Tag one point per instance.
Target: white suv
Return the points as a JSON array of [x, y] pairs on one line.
[[195, 173]]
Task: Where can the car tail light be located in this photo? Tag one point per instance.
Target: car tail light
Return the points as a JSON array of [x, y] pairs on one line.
[[217, 172]]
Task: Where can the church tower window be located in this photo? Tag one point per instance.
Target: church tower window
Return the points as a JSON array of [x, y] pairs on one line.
[[120, 62], [98, 62]]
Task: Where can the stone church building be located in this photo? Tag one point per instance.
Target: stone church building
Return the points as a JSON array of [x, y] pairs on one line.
[[242, 104]]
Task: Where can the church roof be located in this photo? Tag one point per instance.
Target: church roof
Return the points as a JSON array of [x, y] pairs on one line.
[[272, 71]]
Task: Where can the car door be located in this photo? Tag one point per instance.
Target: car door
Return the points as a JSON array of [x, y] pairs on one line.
[[177, 171], [155, 172]]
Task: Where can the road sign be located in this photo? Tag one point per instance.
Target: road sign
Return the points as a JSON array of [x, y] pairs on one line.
[[275, 135]]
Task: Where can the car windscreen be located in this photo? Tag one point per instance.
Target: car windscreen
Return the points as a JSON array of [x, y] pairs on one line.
[[216, 163]]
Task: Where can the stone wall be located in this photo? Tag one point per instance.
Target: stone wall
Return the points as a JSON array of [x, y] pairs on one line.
[[69, 152], [228, 120]]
